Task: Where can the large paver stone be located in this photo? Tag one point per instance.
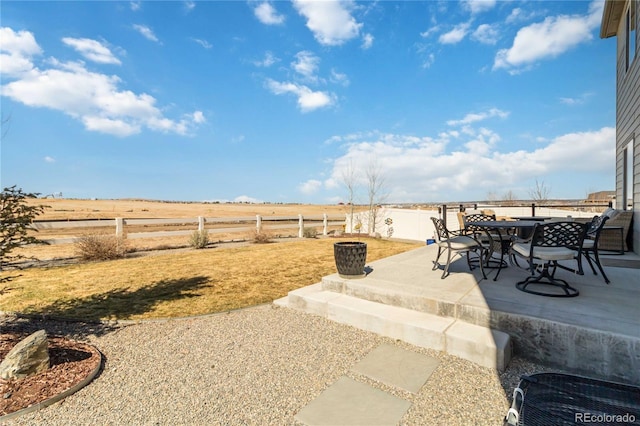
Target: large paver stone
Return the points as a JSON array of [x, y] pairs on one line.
[[348, 402], [397, 367]]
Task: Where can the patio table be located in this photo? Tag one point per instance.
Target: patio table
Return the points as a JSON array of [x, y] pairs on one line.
[[505, 231], [525, 233], [534, 218]]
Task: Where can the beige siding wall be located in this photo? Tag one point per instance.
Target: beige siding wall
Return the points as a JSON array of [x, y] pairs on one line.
[[628, 122]]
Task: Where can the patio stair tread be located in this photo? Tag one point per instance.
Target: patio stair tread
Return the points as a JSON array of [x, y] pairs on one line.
[[486, 347]]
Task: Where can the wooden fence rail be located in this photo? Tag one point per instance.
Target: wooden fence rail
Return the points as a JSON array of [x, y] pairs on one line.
[[235, 224]]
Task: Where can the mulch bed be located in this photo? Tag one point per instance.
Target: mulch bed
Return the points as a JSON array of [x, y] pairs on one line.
[[71, 362]]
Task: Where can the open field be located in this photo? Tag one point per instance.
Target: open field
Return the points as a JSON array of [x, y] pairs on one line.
[[71, 209], [180, 284], [64, 209]]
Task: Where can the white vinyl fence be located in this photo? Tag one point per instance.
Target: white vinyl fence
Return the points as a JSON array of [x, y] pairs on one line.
[[222, 225], [416, 225]]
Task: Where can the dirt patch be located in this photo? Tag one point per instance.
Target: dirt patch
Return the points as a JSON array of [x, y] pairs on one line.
[[71, 363]]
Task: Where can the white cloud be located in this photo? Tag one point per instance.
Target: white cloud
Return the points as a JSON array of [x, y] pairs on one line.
[[514, 16], [92, 50], [189, 5], [486, 34], [423, 168], [310, 187], [110, 126], [16, 51], [203, 43], [367, 41], [306, 64], [428, 61], [432, 30], [48, 159], [238, 139], [425, 55], [146, 32], [548, 39], [339, 78], [135, 5], [268, 15], [330, 21], [94, 99], [268, 60], [570, 101], [198, 117], [479, 116], [478, 6], [308, 100], [456, 35], [576, 101]]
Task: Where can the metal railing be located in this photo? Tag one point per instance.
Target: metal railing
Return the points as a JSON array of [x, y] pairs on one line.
[[444, 208]]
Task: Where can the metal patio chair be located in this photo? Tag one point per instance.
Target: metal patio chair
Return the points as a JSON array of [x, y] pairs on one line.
[[490, 240], [455, 244], [590, 245], [552, 242]]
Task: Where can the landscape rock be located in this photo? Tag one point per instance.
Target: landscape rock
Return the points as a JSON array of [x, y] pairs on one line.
[[30, 356]]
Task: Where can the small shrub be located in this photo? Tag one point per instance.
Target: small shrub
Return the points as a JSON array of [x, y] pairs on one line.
[[199, 239], [310, 232], [100, 247], [260, 237]]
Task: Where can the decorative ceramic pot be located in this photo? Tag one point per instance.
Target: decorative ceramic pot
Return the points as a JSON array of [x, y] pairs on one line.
[[350, 257]]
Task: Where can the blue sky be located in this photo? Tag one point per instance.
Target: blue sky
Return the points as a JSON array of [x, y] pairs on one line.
[[279, 101]]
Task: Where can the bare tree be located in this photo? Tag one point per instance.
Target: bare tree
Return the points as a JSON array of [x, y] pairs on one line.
[[375, 187], [492, 196], [5, 122], [350, 180], [540, 192], [509, 198]]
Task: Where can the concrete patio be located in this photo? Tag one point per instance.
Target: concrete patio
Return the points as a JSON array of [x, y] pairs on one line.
[[595, 334]]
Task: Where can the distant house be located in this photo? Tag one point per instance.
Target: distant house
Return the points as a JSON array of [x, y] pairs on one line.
[[621, 19], [601, 197]]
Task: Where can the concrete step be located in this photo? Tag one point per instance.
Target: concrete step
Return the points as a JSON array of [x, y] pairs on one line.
[[481, 345], [398, 294]]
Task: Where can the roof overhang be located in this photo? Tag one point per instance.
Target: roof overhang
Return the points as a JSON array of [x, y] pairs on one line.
[[611, 16]]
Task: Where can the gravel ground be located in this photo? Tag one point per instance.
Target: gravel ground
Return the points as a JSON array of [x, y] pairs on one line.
[[257, 366]]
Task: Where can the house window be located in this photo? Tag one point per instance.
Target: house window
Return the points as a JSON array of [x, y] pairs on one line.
[[627, 189], [630, 21]]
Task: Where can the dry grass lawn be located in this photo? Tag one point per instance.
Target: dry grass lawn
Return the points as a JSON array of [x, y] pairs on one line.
[[169, 285]]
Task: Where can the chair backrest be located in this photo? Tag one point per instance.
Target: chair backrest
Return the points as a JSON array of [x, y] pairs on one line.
[[596, 225], [559, 234], [441, 231], [476, 217]]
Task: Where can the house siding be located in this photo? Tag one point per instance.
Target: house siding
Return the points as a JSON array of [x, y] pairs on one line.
[[628, 122]]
